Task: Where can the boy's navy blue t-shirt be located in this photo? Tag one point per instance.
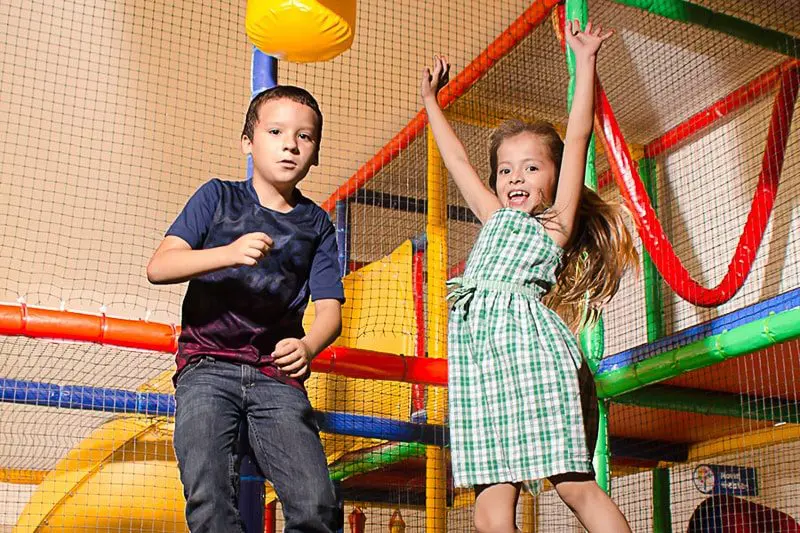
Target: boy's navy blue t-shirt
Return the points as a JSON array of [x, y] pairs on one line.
[[239, 314]]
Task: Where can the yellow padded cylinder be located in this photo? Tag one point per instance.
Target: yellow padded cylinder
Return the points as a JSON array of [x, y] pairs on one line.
[[301, 30]]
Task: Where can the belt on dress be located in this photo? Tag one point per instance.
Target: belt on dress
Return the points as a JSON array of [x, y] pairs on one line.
[[467, 286]]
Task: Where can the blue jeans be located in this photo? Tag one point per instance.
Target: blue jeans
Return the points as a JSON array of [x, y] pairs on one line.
[[213, 398]]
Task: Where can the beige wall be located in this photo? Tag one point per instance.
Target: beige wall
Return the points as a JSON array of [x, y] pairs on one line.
[[114, 114]]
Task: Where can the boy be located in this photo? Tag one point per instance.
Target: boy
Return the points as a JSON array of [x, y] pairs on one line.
[[254, 251]]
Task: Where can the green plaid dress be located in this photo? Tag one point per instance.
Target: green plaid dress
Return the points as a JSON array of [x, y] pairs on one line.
[[515, 406]]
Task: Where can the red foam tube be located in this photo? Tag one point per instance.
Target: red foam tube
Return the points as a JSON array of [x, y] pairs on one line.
[[152, 336], [649, 227]]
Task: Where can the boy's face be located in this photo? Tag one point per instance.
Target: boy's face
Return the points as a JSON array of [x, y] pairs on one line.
[[284, 144]]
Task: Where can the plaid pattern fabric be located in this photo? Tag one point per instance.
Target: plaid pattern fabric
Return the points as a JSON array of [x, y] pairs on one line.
[[515, 407]]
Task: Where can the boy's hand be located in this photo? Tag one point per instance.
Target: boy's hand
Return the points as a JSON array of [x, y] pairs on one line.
[[249, 249], [292, 356], [585, 44], [432, 82]]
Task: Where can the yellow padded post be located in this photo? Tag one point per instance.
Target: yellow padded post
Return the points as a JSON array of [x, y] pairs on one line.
[[301, 30]]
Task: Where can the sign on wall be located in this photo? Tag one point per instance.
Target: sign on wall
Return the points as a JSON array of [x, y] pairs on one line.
[[725, 479]]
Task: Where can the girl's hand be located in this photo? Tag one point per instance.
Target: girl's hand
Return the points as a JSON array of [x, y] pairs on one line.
[[432, 82], [586, 43]]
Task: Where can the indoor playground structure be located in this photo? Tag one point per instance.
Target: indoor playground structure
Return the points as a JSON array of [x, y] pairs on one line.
[[114, 112]]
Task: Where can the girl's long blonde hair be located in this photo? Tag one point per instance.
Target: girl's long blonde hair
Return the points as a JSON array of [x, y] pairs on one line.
[[601, 249]]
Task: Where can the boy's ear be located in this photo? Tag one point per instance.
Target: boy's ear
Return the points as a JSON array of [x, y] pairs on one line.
[[247, 146], [315, 161]]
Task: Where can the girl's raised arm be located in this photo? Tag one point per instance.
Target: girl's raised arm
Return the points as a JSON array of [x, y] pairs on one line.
[[480, 199], [585, 44]]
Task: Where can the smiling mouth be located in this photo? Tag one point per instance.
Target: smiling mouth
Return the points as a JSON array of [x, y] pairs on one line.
[[517, 197]]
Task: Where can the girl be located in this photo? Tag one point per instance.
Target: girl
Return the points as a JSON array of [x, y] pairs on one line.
[[515, 404]]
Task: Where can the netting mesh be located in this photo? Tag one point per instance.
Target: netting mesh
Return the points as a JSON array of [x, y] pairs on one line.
[[113, 113]]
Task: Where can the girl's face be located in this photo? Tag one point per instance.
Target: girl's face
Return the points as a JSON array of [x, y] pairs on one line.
[[526, 173]]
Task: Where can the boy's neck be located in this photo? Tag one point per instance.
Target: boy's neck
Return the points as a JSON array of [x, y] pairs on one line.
[[275, 198]]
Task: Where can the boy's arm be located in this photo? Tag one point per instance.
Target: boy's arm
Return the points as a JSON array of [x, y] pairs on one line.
[[174, 261], [327, 326], [294, 356], [480, 200], [585, 46], [181, 256]]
